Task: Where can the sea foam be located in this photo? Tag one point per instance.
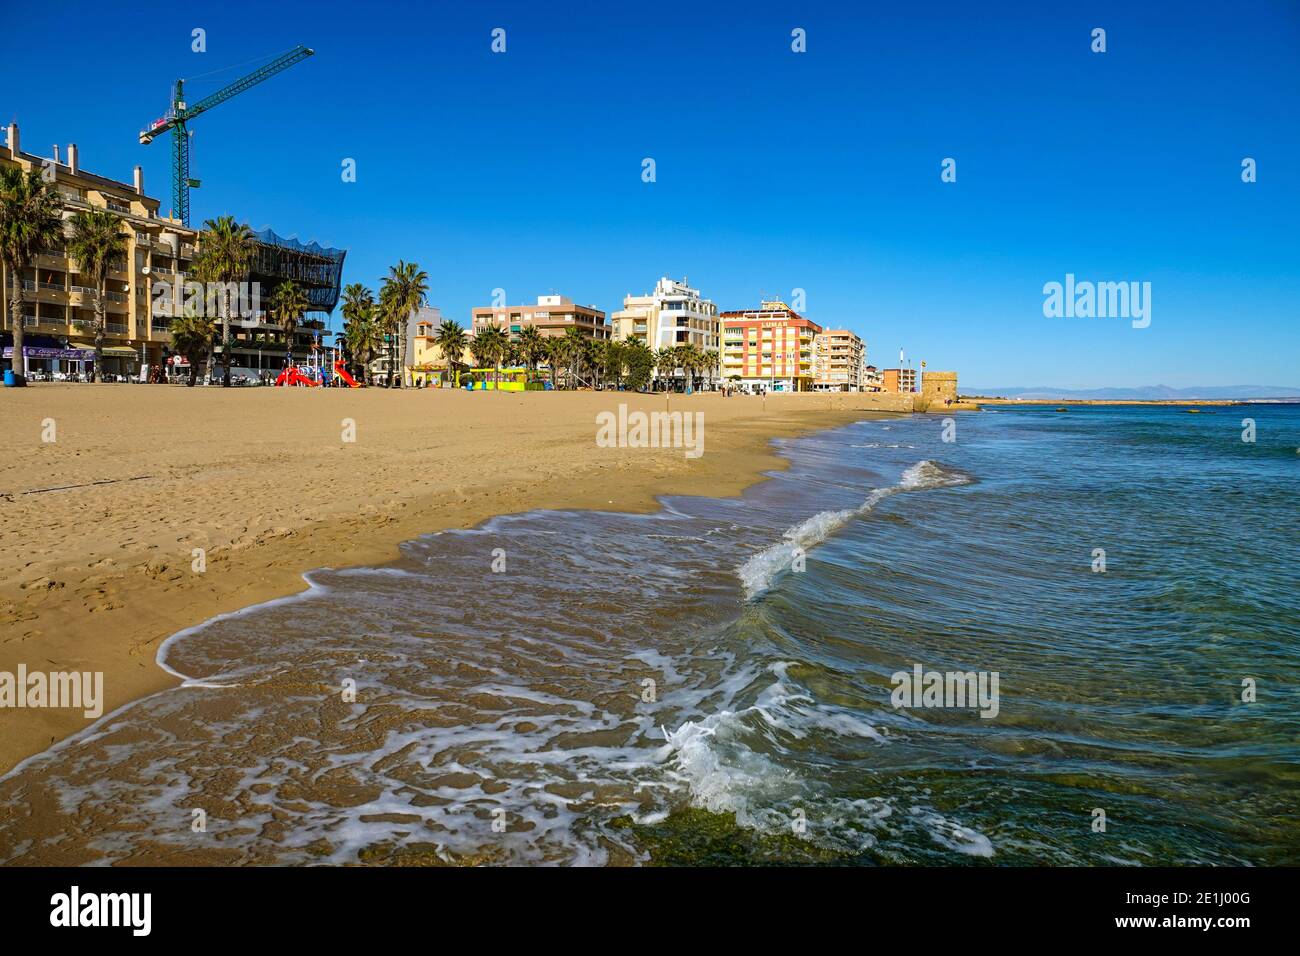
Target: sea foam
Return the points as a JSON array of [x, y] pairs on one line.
[[760, 571]]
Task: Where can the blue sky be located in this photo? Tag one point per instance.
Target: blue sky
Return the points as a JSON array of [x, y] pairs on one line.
[[775, 170]]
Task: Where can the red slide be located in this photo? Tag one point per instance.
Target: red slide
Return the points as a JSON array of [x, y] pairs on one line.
[[291, 376], [341, 371]]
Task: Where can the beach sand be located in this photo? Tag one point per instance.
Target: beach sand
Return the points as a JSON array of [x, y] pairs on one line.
[[100, 525]]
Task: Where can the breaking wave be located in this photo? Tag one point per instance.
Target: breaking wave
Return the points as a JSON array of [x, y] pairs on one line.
[[760, 571]]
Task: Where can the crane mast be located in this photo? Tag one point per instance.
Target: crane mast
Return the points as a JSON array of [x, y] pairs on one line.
[[177, 118]]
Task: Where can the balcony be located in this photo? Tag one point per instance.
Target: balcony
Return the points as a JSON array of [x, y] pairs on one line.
[[115, 328]]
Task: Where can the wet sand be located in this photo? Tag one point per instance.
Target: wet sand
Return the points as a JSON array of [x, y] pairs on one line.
[[97, 558]]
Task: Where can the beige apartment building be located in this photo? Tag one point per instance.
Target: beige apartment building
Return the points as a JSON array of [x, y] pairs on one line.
[[838, 356], [552, 316], [673, 314], [58, 304]]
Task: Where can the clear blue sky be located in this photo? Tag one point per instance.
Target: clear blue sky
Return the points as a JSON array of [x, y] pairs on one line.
[[775, 170]]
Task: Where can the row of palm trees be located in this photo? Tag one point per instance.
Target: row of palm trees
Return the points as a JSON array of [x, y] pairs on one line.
[[369, 323], [573, 359]]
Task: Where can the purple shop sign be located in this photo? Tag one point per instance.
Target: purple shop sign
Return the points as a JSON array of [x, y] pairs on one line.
[[36, 351]]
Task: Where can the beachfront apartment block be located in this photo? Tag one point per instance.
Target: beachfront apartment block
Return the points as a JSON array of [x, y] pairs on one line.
[[770, 348], [146, 288], [898, 380], [673, 315], [839, 359], [58, 303], [552, 316]]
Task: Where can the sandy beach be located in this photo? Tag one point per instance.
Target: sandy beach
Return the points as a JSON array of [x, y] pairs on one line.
[[101, 524]]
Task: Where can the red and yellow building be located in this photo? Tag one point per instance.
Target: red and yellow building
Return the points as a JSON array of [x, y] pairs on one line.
[[769, 348]]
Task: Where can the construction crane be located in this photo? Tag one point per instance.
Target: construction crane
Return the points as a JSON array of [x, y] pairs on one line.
[[180, 114]]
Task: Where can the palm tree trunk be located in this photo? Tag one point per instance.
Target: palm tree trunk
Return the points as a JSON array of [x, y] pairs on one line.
[[401, 355], [99, 337], [225, 339], [17, 362]]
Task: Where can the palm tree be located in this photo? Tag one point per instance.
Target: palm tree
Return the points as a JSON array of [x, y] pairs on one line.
[[289, 303], [192, 335], [688, 360], [203, 270], [512, 355], [29, 223], [553, 348], [489, 346], [710, 362], [573, 351], [228, 246], [97, 241], [358, 308], [532, 344], [405, 290], [451, 341], [364, 336], [665, 364]]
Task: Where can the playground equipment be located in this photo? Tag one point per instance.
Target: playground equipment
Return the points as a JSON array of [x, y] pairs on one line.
[[340, 369], [504, 380], [291, 376]]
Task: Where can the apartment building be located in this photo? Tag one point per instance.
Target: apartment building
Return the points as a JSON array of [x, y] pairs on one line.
[[769, 348], [552, 316], [871, 379], [58, 304], [898, 379], [674, 314], [147, 288], [425, 362], [838, 361]]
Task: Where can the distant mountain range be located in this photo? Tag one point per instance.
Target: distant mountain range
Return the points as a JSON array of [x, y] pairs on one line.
[[1141, 392]]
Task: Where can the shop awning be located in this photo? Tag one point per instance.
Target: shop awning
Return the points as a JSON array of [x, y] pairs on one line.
[[121, 351]]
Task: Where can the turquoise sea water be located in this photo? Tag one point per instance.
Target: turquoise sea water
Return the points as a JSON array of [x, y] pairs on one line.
[[712, 683]]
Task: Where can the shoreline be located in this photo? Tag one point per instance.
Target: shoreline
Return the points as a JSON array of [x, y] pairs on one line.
[[1116, 401], [280, 500]]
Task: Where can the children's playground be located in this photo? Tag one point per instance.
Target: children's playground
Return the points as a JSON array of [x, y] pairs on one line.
[[470, 379]]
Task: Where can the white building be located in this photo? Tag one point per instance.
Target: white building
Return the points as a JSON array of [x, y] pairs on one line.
[[674, 314]]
